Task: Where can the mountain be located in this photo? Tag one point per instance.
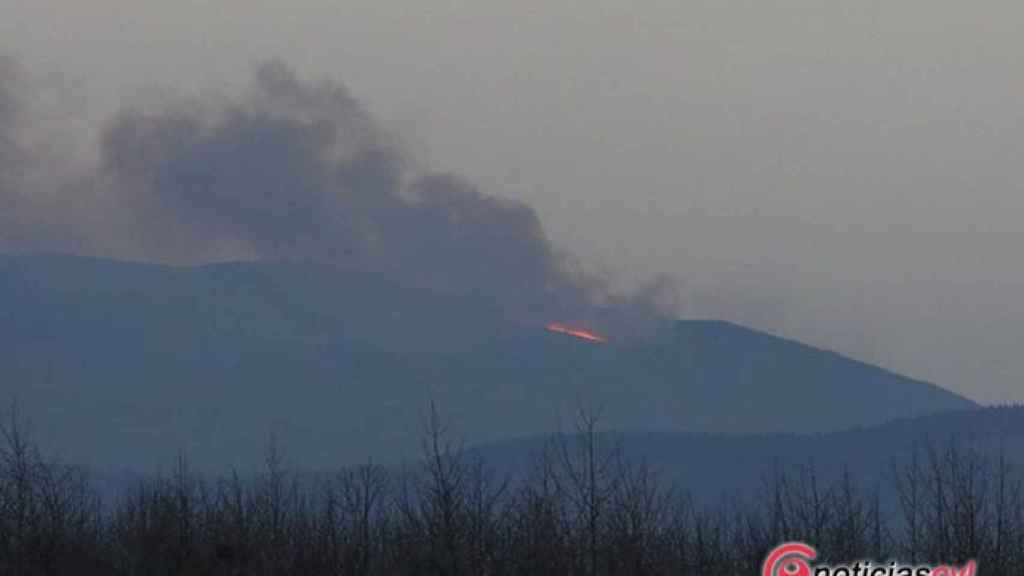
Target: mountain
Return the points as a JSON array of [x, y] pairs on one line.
[[124, 365]]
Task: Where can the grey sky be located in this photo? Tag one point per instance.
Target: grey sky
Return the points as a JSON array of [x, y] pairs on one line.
[[844, 173]]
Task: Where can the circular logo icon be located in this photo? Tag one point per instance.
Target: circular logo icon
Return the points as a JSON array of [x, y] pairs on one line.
[[789, 559]]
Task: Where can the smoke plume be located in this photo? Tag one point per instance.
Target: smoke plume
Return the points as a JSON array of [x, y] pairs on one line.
[[289, 170]]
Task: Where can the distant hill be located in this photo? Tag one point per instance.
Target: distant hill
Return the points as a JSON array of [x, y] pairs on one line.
[[122, 364], [716, 468]]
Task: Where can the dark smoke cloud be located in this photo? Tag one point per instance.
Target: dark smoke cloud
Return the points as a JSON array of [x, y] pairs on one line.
[[289, 171]]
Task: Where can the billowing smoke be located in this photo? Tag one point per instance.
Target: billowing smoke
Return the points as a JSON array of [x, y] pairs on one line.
[[288, 171]]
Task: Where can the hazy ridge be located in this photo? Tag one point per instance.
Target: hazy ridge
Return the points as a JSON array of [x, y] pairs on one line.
[[121, 364]]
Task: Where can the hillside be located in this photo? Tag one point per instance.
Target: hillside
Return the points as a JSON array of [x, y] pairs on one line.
[[122, 364], [716, 468]]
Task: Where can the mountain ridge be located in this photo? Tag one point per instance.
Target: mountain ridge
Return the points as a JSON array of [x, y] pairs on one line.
[[151, 359]]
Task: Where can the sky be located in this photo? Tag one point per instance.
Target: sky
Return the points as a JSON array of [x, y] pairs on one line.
[[846, 174]]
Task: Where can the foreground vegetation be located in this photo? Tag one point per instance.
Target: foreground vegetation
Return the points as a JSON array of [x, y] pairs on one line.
[[582, 511]]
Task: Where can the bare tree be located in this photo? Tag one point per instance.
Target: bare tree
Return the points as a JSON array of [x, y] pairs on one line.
[[587, 476]]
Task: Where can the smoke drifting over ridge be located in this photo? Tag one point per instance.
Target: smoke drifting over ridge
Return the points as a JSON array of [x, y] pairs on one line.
[[294, 171]]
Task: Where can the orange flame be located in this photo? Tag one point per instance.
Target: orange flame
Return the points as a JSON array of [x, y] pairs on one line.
[[577, 332]]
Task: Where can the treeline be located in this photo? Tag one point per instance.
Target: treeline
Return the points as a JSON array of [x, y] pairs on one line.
[[583, 510]]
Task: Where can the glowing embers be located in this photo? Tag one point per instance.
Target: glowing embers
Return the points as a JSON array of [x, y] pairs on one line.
[[576, 332]]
